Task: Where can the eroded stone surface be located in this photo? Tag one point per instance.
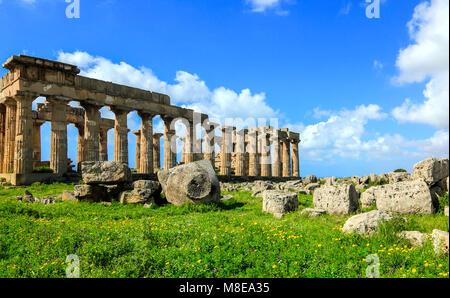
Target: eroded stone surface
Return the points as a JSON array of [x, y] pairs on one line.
[[195, 182], [366, 223], [108, 172], [279, 202], [432, 170], [336, 200], [409, 197]]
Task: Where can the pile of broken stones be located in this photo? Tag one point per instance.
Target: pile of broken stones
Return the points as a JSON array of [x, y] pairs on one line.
[[404, 194], [107, 181]]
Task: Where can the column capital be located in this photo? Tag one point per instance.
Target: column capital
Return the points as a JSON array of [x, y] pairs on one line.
[[144, 114], [136, 132], [119, 109]]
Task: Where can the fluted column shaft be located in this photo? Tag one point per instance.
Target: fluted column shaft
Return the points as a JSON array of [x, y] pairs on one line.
[[58, 146], [295, 160], [286, 158], [91, 133], [227, 148], [146, 166], [209, 144], [189, 142], [120, 136], [23, 157], [157, 151], [10, 134], [169, 156], [103, 144], [80, 146], [138, 150], [266, 168], [37, 156], [240, 152], [253, 152], [276, 158], [2, 135]]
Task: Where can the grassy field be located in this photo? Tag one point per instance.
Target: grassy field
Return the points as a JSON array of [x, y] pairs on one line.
[[231, 239]]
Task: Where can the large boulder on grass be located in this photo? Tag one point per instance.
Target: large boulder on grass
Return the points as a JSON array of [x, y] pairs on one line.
[[279, 202], [105, 172], [432, 170], [90, 193], [408, 197], [194, 182], [366, 223], [336, 199]]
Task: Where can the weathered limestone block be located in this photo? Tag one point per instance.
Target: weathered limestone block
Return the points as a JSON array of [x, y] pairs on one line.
[[440, 242], [138, 196], [311, 187], [398, 177], [91, 193], [278, 202], [147, 184], [195, 182], [69, 196], [409, 197], [432, 170], [105, 172], [414, 237], [336, 200], [368, 198], [310, 179], [313, 212], [446, 210], [366, 223], [260, 186]]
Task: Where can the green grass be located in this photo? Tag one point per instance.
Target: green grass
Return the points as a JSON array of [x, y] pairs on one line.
[[230, 239]]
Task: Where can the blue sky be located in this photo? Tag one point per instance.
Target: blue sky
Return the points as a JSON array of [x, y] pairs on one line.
[[367, 95]]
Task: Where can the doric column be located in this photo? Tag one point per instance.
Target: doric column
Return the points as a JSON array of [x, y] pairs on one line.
[[146, 166], [120, 135], [266, 168], [209, 143], [23, 157], [189, 143], [295, 159], [286, 147], [157, 151], [183, 149], [240, 152], [91, 132], [169, 155], [58, 144], [253, 152], [276, 167], [2, 135], [37, 142], [103, 143], [10, 134], [80, 146], [138, 150], [227, 148]]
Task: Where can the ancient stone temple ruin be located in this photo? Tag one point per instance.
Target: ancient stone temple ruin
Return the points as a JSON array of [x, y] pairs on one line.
[[258, 151]]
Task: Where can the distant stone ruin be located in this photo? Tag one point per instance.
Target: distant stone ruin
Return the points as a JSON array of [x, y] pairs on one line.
[[258, 151]]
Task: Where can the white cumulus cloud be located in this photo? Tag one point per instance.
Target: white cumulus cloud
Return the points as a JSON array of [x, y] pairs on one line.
[[427, 59]]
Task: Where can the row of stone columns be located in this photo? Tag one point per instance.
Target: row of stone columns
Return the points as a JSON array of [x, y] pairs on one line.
[[280, 162]]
